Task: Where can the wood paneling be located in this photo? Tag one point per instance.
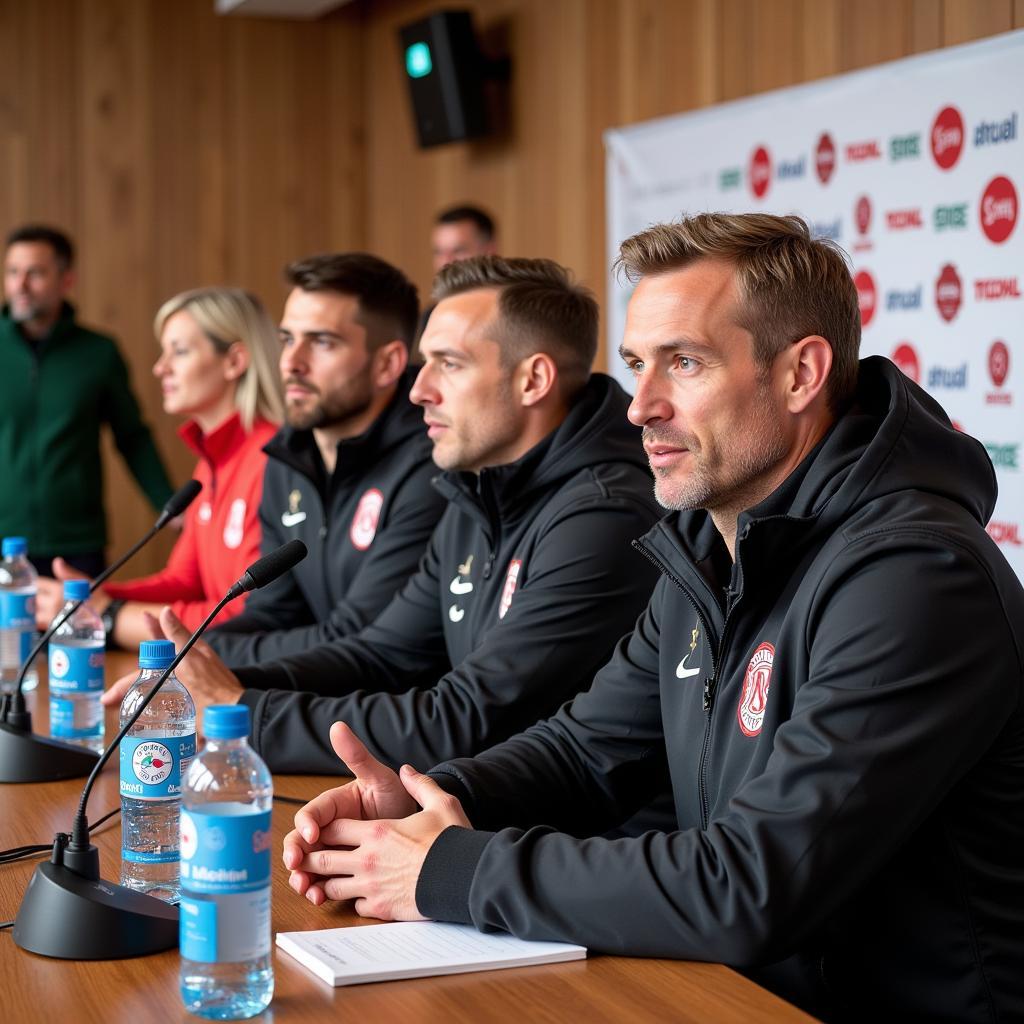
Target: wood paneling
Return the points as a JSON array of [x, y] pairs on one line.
[[180, 148]]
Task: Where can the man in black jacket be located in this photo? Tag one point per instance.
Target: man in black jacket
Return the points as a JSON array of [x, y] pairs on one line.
[[528, 580], [828, 676], [350, 474]]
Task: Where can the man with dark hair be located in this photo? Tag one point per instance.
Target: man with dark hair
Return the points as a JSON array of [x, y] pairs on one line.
[[350, 472], [828, 677], [527, 581], [461, 232], [59, 381]]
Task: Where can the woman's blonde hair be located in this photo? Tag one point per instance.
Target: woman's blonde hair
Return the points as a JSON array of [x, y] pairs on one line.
[[227, 315]]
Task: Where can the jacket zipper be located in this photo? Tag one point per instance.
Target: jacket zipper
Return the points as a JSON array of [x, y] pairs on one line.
[[710, 683]]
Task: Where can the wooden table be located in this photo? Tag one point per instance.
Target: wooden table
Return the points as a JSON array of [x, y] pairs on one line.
[[601, 988]]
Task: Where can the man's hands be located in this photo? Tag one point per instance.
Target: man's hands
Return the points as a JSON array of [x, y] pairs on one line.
[[385, 839], [206, 677], [50, 594]]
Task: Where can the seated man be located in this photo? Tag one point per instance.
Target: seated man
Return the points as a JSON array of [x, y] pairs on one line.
[[828, 677], [350, 474], [528, 579]]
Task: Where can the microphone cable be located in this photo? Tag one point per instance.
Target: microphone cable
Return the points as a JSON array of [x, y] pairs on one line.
[[23, 852]]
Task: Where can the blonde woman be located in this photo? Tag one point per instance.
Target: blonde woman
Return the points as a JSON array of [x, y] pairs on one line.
[[217, 367]]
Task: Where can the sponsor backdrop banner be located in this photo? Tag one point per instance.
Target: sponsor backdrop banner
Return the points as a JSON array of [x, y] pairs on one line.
[[915, 168]]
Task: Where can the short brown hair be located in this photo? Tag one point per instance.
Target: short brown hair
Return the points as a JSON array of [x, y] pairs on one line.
[[791, 285], [388, 303], [540, 309]]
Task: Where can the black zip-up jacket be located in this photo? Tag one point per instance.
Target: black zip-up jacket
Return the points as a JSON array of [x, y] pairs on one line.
[[366, 526], [847, 760], [526, 585]]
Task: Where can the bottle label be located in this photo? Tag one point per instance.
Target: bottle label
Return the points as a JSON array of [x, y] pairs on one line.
[[152, 767], [62, 721], [225, 881], [18, 611], [76, 669]]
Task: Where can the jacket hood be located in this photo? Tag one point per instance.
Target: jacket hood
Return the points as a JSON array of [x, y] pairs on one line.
[[596, 431], [894, 438], [396, 425]]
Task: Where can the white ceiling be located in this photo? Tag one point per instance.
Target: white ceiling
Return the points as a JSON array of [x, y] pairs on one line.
[[298, 9]]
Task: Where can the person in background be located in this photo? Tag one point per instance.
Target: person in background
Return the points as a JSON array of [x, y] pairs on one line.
[[459, 233], [218, 367], [59, 383], [828, 678], [350, 473]]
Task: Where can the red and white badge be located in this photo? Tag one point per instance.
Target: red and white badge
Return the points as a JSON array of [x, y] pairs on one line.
[[511, 578], [754, 701], [364, 522]]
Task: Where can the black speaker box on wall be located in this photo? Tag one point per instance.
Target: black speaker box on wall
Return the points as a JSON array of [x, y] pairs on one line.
[[445, 71]]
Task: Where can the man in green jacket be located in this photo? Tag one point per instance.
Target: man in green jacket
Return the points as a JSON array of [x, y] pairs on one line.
[[59, 382]]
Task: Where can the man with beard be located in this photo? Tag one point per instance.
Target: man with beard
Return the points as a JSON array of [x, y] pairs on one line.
[[349, 474], [59, 383], [828, 677]]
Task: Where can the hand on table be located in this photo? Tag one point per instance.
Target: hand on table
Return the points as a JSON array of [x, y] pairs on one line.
[[205, 676], [375, 818]]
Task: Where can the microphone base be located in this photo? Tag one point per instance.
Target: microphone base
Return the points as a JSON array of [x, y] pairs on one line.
[[67, 916], [26, 756]]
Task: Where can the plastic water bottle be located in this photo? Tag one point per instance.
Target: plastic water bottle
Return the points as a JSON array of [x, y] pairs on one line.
[[155, 755], [76, 673], [18, 581], [226, 967]]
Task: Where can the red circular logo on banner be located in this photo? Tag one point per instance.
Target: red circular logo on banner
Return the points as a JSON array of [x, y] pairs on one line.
[[905, 357], [760, 171], [867, 296], [825, 158], [998, 210], [998, 362], [947, 137], [862, 214], [948, 292]]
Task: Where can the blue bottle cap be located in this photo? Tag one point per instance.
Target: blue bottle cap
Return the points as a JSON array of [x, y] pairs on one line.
[[155, 653], [226, 721], [76, 589], [14, 546]]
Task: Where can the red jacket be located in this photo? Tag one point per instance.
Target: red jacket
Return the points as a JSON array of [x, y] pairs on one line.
[[221, 535]]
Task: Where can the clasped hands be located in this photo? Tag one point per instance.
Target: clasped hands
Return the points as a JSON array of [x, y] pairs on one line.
[[367, 840]]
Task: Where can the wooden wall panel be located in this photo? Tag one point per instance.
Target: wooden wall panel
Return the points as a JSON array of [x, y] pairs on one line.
[[182, 148]]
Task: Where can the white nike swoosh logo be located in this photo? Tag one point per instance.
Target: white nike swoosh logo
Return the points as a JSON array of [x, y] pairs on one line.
[[455, 613], [685, 673], [292, 518], [458, 587]]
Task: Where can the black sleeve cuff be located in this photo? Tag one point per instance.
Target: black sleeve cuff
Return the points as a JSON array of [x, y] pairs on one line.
[[442, 890], [253, 700]]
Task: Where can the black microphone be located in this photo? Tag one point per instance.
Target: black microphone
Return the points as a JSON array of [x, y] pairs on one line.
[[68, 911], [25, 757]]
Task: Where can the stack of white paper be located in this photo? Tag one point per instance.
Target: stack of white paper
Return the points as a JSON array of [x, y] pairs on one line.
[[414, 949]]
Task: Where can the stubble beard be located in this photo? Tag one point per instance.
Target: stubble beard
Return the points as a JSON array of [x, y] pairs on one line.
[[734, 482]]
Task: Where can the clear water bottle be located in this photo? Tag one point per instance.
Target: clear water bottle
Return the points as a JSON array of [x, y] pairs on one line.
[[76, 673], [155, 755], [18, 581], [226, 967]]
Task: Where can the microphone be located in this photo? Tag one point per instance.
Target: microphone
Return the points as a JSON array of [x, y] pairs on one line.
[[68, 911], [25, 757]]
